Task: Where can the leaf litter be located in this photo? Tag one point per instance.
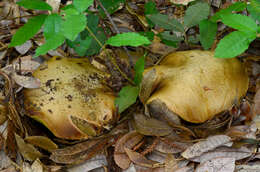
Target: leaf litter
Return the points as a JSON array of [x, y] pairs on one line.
[[136, 149]]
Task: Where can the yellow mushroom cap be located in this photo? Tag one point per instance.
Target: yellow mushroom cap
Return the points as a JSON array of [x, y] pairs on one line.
[[195, 85], [73, 101]]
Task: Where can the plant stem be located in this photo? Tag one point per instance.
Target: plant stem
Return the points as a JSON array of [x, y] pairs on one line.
[[112, 59], [117, 31]]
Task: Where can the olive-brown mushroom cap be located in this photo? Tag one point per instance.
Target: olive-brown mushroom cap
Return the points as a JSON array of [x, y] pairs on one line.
[[195, 85], [72, 91]]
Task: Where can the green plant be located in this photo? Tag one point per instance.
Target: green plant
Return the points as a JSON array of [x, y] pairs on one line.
[[238, 41]]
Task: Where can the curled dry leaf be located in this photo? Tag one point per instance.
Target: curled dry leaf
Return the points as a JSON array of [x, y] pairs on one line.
[[195, 86], [237, 153], [151, 126], [42, 142], [129, 140], [141, 160], [71, 88], [28, 151], [222, 164], [26, 81], [204, 146]]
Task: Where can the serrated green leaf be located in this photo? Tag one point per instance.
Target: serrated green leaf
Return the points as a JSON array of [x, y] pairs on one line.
[[73, 25], [237, 7], [234, 44], [52, 26], [82, 5], [127, 97], [34, 5], [28, 30], [128, 39], [254, 9], [195, 13], [165, 22], [150, 8], [239, 22], [170, 38], [208, 32], [50, 44], [139, 69]]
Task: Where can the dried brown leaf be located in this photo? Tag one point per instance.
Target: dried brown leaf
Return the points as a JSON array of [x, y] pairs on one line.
[[26, 81], [26, 66], [182, 2], [42, 142], [171, 163], [222, 164], [9, 169], [166, 145], [55, 4], [129, 140], [204, 146], [248, 168], [256, 107], [237, 153], [24, 48], [151, 126], [28, 151], [141, 160]]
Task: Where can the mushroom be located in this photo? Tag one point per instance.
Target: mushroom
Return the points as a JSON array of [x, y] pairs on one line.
[[72, 102], [192, 85]]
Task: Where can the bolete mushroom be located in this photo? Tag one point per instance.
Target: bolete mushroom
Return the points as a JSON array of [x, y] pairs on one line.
[[73, 102], [192, 85]]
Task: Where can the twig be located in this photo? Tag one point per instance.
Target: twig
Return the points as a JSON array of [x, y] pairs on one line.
[[117, 31]]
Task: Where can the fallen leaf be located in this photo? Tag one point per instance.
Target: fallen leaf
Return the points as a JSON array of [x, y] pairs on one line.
[[24, 48], [168, 146], [26, 81], [129, 140], [42, 142], [222, 164], [237, 153], [26, 66], [28, 151], [256, 107], [204, 146], [151, 126], [248, 168], [171, 164], [182, 2], [141, 160]]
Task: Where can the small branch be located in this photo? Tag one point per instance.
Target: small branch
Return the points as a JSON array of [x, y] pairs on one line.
[[117, 31]]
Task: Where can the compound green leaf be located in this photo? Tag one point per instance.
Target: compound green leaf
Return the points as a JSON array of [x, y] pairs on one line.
[[82, 5], [195, 13], [233, 44], [165, 22], [139, 69], [240, 22], [254, 9], [237, 7], [128, 39], [127, 97], [34, 5], [28, 30], [73, 25], [52, 26], [208, 32], [50, 44]]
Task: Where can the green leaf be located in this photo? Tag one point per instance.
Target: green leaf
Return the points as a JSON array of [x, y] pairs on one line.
[[127, 97], [254, 9], [208, 32], [139, 69], [34, 5], [237, 7], [111, 6], [239, 22], [165, 22], [170, 38], [69, 10], [80, 45], [128, 39], [52, 26], [150, 8], [28, 30], [82, 5], [73, 25], [50, 44], [195, 13], [234, 44]]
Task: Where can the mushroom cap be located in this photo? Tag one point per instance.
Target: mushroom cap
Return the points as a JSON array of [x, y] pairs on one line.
[[194, 85], [72, 101]]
